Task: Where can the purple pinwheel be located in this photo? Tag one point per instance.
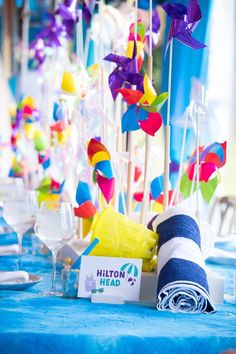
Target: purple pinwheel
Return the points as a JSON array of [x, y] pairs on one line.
[[38, 50], [68, 10], [156, 23], [51, 35], [184, 20], [125, 72]]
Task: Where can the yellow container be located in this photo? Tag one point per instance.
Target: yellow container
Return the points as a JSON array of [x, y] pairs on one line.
[[120, 236]]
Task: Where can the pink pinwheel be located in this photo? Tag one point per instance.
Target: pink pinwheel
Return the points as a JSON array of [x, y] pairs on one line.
[[184, 20], [211, 159], [125, 72]]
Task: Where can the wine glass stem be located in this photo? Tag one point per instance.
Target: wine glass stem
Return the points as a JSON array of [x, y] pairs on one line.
[[19, 237], [54, 270]]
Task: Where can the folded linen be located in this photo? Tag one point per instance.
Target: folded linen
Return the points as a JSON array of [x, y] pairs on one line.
[[9, 249], [15, 277], [182, 281]]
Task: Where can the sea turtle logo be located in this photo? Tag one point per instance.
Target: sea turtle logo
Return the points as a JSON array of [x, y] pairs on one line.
[[132, 272]]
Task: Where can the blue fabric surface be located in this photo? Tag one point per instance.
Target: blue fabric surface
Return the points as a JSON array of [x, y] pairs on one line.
[[31, 323]]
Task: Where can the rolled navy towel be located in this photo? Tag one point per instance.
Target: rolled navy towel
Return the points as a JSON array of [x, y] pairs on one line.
[[182, 281]]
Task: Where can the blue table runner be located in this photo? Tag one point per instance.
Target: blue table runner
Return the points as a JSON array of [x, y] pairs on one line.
[[31, 323]]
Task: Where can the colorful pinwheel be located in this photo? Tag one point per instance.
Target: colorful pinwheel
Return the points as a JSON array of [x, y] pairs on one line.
[[184, 20], [144, 110], [86, 207], [50, 190], [157, 187], [44, 159], [100, 159], [60, 25], [136, 42], [211, 159], [125, 72]]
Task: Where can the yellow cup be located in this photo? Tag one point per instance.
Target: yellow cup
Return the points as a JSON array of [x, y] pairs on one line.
[[120, 236]]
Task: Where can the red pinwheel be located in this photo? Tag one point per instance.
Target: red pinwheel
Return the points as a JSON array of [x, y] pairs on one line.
[[184, 20], [125, 71]]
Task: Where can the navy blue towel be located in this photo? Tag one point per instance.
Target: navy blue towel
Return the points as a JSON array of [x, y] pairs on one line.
[[182, 281]]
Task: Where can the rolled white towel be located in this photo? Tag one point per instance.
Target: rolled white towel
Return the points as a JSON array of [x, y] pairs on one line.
[[9, 249], [19, 276]]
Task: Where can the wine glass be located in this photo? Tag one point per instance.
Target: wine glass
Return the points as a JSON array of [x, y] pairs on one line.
[[9, 185], [19, 211], [55, 226]]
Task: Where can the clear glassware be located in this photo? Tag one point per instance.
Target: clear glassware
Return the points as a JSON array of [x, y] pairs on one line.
[[19, 211], [55, 226], [8, 186]]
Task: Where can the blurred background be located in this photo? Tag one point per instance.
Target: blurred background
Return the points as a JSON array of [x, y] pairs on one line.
[[214, 67]]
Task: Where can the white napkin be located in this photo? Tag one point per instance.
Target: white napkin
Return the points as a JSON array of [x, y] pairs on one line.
[[9, 249], [16, 277]]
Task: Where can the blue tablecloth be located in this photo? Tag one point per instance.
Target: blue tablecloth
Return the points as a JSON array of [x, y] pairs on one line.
[[31, 323]]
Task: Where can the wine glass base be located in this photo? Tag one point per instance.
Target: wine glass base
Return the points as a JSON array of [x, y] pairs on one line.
[[52, 293]]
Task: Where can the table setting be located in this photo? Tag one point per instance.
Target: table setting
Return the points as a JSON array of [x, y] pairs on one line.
[[112, 183]]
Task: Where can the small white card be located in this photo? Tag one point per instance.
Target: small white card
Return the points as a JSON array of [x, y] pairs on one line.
[[110, 276]]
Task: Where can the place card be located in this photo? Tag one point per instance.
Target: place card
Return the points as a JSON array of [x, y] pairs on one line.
[[110, 276]]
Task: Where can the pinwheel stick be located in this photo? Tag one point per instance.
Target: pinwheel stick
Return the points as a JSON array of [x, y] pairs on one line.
[[175, 195], [167, 133], [79, 39], [145, 201], [203, 99], [25, 41], [130, 172]]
